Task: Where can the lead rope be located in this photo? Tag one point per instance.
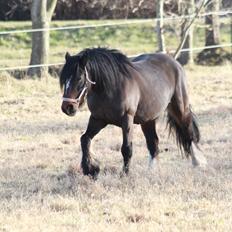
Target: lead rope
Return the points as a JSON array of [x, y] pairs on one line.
[[87, 77]]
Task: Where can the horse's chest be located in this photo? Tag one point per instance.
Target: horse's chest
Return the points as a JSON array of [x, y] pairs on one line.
[[108, 110]]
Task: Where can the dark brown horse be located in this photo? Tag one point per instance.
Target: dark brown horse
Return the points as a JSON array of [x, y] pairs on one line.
[[121, 92]]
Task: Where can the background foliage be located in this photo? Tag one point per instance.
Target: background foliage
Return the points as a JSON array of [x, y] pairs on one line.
[[91, 9]]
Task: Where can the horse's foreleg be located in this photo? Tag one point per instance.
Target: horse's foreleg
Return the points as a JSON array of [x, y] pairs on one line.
[[126, 149], [152, 140], [94, 126]]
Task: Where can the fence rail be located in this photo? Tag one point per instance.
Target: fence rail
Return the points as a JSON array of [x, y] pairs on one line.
[[62, 63], [126, 22]]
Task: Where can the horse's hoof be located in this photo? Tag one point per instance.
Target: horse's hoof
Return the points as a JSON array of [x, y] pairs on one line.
[[92, 171], [200, 163], [124, 172], [153, 163], [198, 158]]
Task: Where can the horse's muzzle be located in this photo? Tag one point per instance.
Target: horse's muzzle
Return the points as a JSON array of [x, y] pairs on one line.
[[69, 108]]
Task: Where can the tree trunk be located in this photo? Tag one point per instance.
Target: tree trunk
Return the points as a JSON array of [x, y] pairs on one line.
[[159, 25], [212, 33], [41, 14], [187, 8], [213, 56]]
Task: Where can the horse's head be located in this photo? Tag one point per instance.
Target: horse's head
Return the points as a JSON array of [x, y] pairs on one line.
[[75, 83]]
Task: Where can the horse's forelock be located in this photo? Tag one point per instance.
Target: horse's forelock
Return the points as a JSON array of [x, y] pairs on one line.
[[64, 75], [69, 68]]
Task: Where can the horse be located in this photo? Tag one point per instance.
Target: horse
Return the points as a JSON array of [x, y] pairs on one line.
[[121, 91]]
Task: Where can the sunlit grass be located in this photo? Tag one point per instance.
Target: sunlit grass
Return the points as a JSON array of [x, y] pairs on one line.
[[40, 152], [131, 39]]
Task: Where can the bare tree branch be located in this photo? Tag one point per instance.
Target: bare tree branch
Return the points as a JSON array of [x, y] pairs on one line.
[[51, 4], [185, 34]]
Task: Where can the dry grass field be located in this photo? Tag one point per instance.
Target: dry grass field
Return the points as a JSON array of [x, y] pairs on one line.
[[42, 189]]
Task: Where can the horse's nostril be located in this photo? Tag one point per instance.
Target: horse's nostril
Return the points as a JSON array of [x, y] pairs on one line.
[[70, 109]]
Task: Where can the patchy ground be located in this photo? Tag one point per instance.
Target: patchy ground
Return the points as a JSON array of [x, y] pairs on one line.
[[39, 148]]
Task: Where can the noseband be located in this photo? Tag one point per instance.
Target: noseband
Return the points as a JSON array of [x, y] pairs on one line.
[[78, 99], [75, 100]]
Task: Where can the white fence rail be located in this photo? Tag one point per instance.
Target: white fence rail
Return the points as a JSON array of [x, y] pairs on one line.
[[58, 64], [121, 23]]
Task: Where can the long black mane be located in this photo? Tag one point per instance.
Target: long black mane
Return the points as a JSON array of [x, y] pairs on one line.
[[107, 67]]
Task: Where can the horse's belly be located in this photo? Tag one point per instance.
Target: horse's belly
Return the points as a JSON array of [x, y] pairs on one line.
[[150, 109], [141, 118]]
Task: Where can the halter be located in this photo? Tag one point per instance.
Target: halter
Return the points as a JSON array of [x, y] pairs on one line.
[[78, 99]]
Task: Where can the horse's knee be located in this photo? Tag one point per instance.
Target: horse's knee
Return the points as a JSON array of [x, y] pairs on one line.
[[85, 139]]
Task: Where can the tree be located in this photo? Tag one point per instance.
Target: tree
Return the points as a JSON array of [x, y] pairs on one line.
[[185, 33], [186, 8], [214, 55], [159, 25], [212, 32], [41, 15]]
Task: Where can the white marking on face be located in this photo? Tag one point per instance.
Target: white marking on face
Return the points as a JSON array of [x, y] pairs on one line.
[[67, 85]]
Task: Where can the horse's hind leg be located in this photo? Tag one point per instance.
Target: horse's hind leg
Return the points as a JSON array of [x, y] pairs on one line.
[[181, 120], [94, 126], [184, 124], [152, 140]]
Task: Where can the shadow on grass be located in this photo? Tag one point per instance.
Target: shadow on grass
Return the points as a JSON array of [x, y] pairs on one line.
[[37, 181], [53, 127]]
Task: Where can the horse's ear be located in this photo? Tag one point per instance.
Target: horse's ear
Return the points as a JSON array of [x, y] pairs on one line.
[[67, 56]]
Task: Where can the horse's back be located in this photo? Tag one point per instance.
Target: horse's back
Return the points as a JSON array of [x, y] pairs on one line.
[[157, 80], [157, 59]]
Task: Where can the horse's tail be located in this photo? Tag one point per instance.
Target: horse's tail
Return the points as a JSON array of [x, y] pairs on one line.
[[185, 133]]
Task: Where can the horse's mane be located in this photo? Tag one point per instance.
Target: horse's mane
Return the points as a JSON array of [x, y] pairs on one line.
[[107, 67]]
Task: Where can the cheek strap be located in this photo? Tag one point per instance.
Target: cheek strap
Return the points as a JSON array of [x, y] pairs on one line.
[[87, 77]]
